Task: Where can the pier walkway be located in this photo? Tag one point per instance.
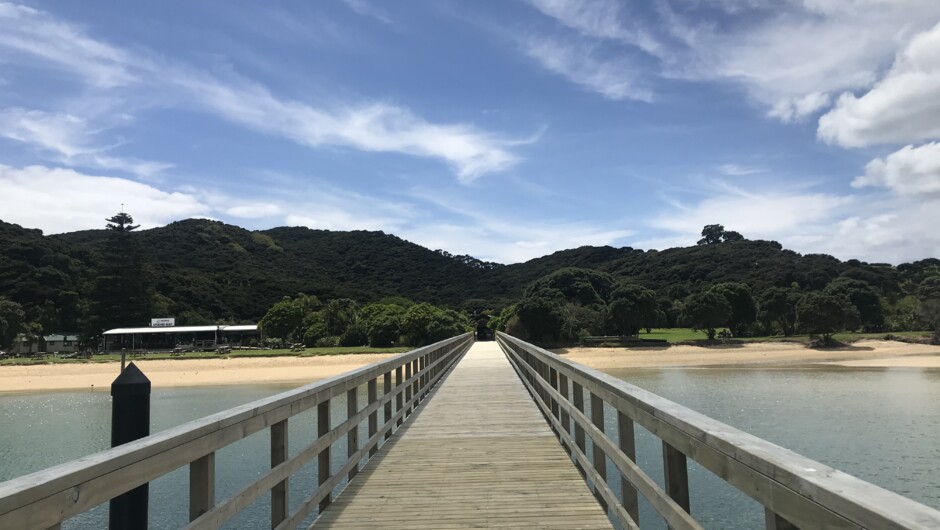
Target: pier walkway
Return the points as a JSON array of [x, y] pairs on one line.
[[479, 454]]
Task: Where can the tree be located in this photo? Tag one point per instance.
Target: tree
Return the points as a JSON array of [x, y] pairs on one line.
[[122, 295], [32, 334], [826, 314], [707, 311], [284, 320], [12, 319], [863, 297], [778, 305], [714, 234], [540, 313], [382, 323], [711, 235], [743, 309], [631, 308], [339, 314]]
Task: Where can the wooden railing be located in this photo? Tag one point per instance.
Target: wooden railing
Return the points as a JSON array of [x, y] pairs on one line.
[[796, 492], [46, 498]]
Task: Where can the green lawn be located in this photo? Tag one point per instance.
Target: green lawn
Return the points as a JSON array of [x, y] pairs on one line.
[[685, 334], [309, 352]]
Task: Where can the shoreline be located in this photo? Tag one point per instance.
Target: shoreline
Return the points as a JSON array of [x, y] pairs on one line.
[[865, 354], [166, 373]]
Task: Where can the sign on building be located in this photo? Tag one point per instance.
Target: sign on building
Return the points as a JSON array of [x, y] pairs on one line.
[[162, 322]]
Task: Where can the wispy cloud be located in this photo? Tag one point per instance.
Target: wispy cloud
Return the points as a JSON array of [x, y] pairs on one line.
[[579, 63], [599, 19], [71, 140], [735, 170], [367, 9], [376, 126]]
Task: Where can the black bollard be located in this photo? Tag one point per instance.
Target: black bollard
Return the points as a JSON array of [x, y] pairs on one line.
[[130, 420]]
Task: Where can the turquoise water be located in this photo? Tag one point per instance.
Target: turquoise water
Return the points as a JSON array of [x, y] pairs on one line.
[[879, 425]]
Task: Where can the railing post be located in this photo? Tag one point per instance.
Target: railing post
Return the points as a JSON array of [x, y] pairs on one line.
[[399, 400], [278, 455], [201, 485], [553, 380], [628, 493], [373, 395], [352, 438], [323, 459], [414, 386], [408, 388], [600, 459], [775, 522], [578, 429], [565, 417], [676, 473], [387, 389]]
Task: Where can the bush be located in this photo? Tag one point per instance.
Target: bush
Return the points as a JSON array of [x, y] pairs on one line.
[[330, 341], [355, 335]]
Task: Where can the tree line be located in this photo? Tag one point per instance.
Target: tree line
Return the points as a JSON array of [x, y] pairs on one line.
[[344, 322], [205, 272]]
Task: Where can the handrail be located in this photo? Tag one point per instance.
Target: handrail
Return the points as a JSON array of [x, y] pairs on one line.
[[46, 498], [796, 492]]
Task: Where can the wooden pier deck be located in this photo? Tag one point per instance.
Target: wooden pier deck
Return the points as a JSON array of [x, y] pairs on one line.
[[479, 454]]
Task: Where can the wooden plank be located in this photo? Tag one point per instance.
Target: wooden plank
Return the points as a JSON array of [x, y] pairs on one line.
[[352, 437], [676, 473], [773, 521], [372, 396], [487, 458], [600, 459], [627, 442]]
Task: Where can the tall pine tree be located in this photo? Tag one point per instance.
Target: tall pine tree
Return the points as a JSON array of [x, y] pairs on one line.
[[122, 295]]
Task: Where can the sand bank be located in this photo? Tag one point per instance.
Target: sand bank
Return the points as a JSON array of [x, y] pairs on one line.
[[189, 372], [867, 353]]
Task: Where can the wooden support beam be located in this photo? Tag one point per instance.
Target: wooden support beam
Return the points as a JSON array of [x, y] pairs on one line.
[[373, 396], [600, 459], [578, 393], [676, 473], [279, 493], [201, 485], [773, 521], [628, 493], [323, 459], [352, 438]]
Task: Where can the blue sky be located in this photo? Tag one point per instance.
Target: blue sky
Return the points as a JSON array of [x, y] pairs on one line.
[[501, 129]]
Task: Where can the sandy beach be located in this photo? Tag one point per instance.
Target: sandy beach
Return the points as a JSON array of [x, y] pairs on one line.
[[190, 372], [862, 354]]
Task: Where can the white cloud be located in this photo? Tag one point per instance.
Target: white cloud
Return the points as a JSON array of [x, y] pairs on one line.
[[913, 171], [902, 107], [72, 139], [369, 126], [577, 62], [62, 200], [793, 57], [892, 229], [35, 34], [736, 170], [601, 19], [789, 110], [366, 9], [255, 210]]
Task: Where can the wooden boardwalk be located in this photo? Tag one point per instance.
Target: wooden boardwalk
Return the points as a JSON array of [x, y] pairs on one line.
[[478, 454]]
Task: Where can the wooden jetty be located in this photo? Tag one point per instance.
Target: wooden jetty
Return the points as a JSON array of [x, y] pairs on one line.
[[479, 455], [468, 435]]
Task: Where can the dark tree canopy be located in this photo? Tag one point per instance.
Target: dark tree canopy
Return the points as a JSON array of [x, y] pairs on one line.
[[632, 308], [12, 321], [863, 297], [743, 308], [707, 311], [778, 307], [826, 314]]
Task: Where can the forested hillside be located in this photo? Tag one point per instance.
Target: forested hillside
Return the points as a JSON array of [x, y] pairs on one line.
[[203, 271]]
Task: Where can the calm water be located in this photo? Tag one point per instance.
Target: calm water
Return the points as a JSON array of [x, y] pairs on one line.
[[882, 426]]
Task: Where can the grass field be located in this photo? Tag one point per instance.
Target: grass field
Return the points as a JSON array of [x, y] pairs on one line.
[[309, 352], [674, 335]]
